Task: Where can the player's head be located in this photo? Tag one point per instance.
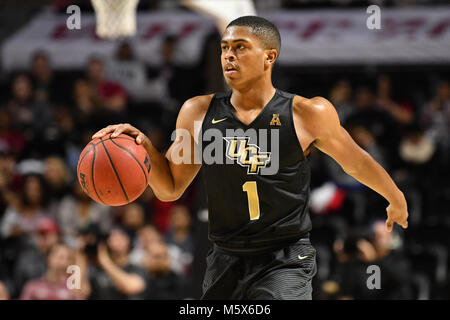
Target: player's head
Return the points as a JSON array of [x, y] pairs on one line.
[[250, 45]]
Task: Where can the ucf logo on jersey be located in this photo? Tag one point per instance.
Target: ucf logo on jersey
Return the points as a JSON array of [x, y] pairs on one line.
[[247, 154]]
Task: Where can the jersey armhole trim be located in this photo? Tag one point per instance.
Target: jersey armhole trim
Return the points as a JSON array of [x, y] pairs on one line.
[[200, 133], [291, 112]]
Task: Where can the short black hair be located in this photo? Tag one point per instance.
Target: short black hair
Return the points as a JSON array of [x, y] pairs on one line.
[[262, 28]]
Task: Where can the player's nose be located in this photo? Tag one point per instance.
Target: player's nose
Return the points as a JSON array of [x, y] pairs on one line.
[[229, 56]]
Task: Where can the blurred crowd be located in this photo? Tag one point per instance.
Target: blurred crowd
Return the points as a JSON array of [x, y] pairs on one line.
[[155, 250], [144, 250], [410, 138], [267, 4]]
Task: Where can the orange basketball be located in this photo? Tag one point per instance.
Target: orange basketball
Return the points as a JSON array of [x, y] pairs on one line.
[[113, 171]]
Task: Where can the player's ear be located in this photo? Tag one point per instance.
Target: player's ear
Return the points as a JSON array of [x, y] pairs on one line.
[[270, 57]]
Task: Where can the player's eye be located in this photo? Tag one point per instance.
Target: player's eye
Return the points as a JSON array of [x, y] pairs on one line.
[[240, 46], [224, 47]]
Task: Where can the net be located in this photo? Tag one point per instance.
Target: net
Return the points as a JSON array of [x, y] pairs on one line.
[[115, 18], [222, 11]]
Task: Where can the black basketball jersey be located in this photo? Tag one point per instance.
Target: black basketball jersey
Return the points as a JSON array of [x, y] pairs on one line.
[[257, 177]]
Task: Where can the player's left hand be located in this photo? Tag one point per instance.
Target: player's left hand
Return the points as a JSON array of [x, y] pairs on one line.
[[397, 214]]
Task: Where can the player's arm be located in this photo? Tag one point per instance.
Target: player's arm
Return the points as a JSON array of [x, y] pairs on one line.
[[322, 124], [169, 175]]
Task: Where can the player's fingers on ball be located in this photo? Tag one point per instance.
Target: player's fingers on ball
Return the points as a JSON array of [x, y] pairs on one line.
[[118, 130], [132, 130], [140, 138], [389, 224], [404, 224], [99, 134]]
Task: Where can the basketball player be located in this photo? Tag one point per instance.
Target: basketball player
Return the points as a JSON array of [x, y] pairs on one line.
[[259, 224]]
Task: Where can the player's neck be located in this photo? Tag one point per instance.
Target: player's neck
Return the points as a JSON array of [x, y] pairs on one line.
[[255, 96]]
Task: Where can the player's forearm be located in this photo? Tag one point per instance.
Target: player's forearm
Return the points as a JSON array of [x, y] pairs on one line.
[[367, 171], [160, 178]]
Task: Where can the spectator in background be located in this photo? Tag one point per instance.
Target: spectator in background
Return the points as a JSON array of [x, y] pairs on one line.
[[4, 294], [10, 182], [87, 239], [422, 161], [212, 68], [53, 285], [354, 253], [180, 240], [77, 211], [163, 282], [340, 96], [133, 218], [57, 177], [114, 277], [24, 219], [43, 78], [73, 149], [167, 72], [415, 147], [372, 246], [109, 96], [158, 211], [29, 116], [403, 113], [436, 116], [180, 83], [177, 87], [31, 262], [85, 105], [130, 72], [64, 132], [147, 235], [10, 139], [378, 122], [396, 271]]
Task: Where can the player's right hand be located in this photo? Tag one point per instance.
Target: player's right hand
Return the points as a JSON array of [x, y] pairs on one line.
[[126, 128], [397, 214]]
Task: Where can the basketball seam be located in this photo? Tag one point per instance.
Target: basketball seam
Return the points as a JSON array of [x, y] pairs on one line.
[[146, 181], [115, 171], [93, 183], [82, 158], [79, 165]]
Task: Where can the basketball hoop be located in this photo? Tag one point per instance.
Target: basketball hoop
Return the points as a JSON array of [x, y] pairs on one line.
[[222, 11], [115, 18]]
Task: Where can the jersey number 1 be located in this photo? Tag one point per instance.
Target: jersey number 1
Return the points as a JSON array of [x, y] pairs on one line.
[[253, 200]]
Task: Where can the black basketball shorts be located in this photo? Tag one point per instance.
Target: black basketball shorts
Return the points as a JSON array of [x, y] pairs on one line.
[[282, 274]]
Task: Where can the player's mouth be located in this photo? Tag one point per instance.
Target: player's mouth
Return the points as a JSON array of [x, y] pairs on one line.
[[230, 69]]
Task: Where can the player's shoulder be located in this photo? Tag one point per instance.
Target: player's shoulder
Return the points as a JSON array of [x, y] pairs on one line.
[[312, 107], [198, 103], [193, 109], [315, 104]]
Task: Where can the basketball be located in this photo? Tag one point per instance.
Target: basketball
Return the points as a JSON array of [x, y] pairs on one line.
[[113, 171]]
